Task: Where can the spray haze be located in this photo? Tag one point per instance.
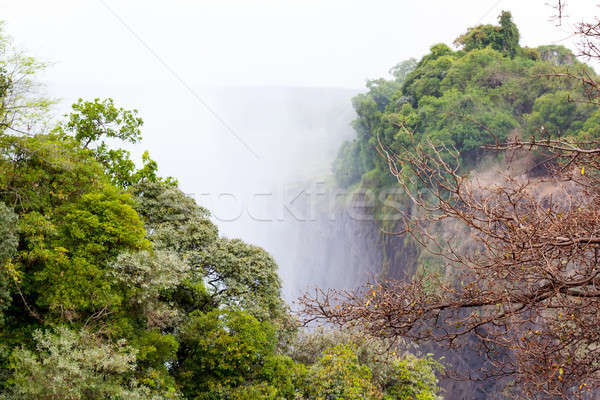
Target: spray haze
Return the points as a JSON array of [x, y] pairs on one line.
[[284, 199]]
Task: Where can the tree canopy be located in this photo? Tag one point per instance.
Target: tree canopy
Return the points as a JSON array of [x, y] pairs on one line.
[[447, 96]]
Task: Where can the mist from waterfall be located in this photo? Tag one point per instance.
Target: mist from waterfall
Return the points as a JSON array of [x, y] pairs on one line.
[[273, 188]]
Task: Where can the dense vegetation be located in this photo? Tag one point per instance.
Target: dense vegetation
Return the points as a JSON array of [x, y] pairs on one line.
[[116, 285], [448, 97]]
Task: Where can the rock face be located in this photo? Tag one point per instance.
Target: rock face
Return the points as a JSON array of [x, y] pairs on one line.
[[344, 249], [399, 260]]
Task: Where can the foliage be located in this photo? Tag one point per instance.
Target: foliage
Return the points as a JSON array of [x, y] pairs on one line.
[[555, 115], [338, 374], [149, 273], [225, 353], [503, 38], [449, 96], [42, 172], [8, 236], [173, 220], [75, 365], [93, 123], [395, 373], [345, 167], [67, 253], [414, 378], [242, 275]]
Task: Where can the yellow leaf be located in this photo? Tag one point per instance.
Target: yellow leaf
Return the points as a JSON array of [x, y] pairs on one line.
[[582, 170]]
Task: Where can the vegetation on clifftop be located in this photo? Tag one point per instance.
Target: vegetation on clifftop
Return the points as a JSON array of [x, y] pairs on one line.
[[449, 95]]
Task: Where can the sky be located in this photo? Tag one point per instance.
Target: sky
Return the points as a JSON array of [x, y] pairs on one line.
[[314, 43]]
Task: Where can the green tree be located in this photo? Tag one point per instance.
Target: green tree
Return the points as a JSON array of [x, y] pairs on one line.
[[396, 373], [76, 365], [68, 253], [557, 114], [225, 354], [93, 123], [8, 234], [173, 219], [503, 38], [414, 379], [42, 172], [337, 374]]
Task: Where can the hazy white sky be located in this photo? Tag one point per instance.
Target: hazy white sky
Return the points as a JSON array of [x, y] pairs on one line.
[[254, 42]]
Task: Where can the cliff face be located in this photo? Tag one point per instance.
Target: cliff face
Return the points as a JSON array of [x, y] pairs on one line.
[[400, 258], [344, 249]]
